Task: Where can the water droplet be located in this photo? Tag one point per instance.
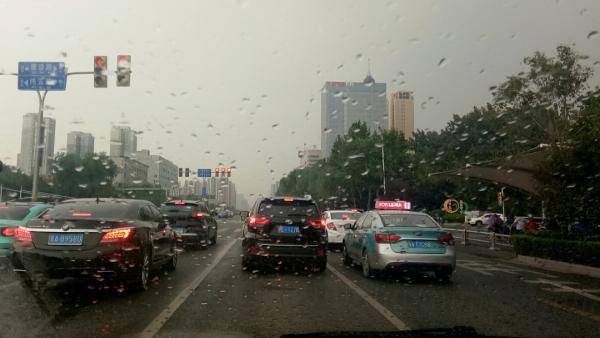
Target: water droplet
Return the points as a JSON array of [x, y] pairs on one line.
[[365, 173], [443, 62], [592, 34], [79, 169], [359, 56], [83, 185], [275, 125], [327, 130]]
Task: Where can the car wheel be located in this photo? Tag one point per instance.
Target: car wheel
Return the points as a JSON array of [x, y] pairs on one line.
[[247, 264], [345, 256], [366, 266], [444, 276], [479, 223], [141, 280], [213, 240], [171, 265], [320, 265]]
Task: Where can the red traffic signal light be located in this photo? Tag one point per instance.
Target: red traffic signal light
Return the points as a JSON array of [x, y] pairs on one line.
[[123, 70], [100, 73]]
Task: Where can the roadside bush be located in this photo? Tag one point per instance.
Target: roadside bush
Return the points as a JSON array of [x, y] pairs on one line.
[[578, 252], [454, 218]]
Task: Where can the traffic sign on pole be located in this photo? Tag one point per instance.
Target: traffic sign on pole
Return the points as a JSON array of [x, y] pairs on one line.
[[204, 172], [42, 76]]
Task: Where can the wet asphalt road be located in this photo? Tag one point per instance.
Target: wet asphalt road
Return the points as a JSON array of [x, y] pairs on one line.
[[209, 296]]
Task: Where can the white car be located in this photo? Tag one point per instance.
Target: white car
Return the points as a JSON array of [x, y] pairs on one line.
[[484, 219], [335, 220]]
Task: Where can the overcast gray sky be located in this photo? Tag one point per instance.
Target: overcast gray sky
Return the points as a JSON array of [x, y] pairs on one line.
[[238, 82]]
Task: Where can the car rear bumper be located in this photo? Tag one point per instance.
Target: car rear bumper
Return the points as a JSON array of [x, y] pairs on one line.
[[279, 251], [194, 238], [96, 263], [334, 237], [386, 259]]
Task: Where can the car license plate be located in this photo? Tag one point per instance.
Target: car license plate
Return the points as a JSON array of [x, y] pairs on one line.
[[179, 230], [284, 229], [420, 245], [65, 239]]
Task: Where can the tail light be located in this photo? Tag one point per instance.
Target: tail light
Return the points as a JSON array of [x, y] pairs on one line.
[[447, 239], [256, 223], [199, 215], [331, 226], [317, 223], [386, 238], [117, 235], [7, 232], [23, 236]]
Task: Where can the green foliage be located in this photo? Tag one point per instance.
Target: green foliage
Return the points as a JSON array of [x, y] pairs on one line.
[[579, 252], [90, 176]]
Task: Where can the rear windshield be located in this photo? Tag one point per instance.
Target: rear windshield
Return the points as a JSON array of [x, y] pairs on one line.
[[408, 220], [280, 208], [346, 216], [13, 213], [117, 210]]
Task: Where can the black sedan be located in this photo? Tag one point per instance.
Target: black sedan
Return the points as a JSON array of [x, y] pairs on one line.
[[96, 238]]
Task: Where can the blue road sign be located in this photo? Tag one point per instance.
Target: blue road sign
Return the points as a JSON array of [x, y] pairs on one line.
[[42, 76], [204, 172]]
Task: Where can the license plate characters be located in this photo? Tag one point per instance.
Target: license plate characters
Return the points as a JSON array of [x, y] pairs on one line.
[[420, 245], [65, 239], [285, 229]]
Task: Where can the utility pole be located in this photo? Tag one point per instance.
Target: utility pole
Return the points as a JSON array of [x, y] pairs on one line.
[[38, 144], [383, 165]]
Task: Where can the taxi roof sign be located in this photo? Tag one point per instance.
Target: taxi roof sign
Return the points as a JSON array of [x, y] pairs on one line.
[[392, 205]]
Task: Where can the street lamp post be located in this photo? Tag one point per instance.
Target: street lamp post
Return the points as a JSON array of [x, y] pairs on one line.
[[38, 144], [383, 164]]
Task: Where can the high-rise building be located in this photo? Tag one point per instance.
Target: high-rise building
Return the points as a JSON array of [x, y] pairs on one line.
[[80, 143], [401, 112], [161, 171], [28, 136], [130, 172], [123, 142], [309, 157], [344, 103]]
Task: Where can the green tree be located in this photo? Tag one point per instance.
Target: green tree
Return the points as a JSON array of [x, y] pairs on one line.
[[90, 176]]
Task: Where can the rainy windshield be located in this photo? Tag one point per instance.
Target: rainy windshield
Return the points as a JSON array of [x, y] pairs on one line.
[[218, 168], [407, 220]]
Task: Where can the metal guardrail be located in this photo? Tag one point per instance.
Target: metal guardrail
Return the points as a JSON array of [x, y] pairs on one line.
[[494, 239]]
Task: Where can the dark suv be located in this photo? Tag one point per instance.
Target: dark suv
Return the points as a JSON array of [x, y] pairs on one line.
[[192, 222], [284, 229]]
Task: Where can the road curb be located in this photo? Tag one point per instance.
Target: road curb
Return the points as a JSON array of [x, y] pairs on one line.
[[557, 266]]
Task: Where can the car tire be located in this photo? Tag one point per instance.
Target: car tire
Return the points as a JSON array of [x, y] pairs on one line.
[[247, 264], [171, 265], [444, 276], [367, 271], [141, 279], [213, 239], [320, 265], [479, 223], [345, 256]]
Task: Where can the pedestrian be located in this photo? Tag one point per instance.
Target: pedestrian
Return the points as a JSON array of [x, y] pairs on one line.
[[520, 226], [531, 225]]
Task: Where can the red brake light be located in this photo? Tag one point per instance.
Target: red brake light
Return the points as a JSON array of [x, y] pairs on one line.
[[447, 239], [199, 215], [81, 214], [256, 223], [179, 203], [317, 223], [386, 238], [117, 235], [22, 235], [7, 232], [331, 226]]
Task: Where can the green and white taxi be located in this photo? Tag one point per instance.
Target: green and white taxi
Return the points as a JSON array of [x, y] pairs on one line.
[[391, 237]]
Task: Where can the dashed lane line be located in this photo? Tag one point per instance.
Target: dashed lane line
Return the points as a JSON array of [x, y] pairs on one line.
[[157, 323], [387, 314]]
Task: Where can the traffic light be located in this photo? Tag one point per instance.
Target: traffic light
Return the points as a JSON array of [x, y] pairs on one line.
[[217, 172], [187, 172], [228, 172], [180, 172], [123, 70], [100, 72]]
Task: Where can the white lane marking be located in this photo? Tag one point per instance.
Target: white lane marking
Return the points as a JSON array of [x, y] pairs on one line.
[[387, 314], [565, 288], [157, 323], [474, 269]]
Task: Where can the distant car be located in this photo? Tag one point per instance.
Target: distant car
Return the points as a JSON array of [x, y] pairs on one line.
[[399, 240], [484, 219], [13, 215], [192, 222], [282, 230], [95, 238], [335, 220]]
